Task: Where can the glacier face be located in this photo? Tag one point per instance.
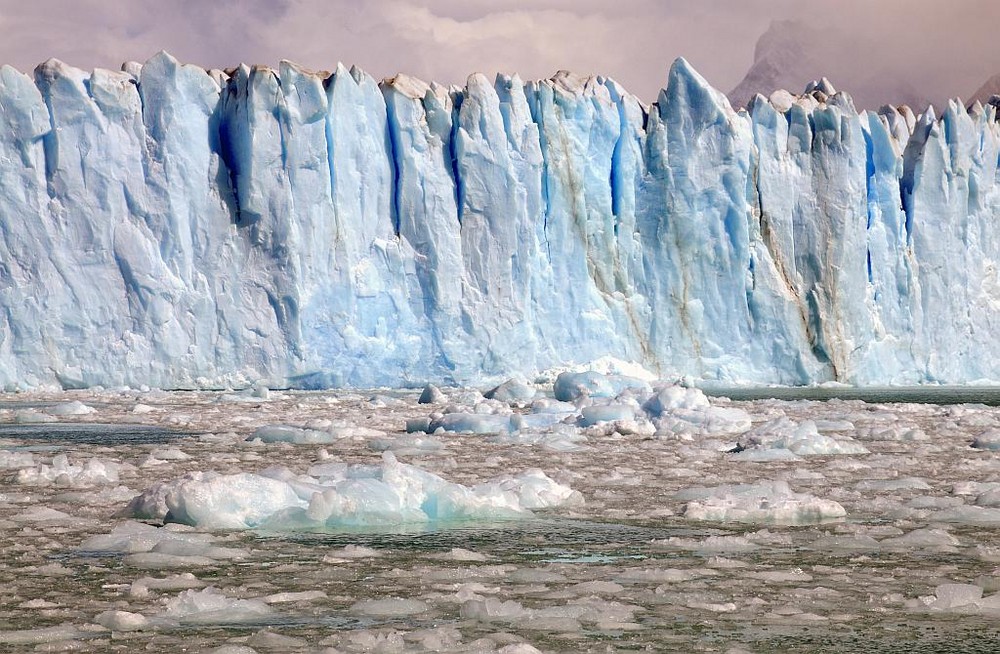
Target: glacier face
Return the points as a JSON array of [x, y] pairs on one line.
[[175, 227]]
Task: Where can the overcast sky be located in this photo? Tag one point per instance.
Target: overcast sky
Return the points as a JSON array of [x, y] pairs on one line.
[[946, 48]]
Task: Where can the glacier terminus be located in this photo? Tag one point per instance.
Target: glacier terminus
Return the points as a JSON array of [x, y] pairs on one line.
[[180, 228]]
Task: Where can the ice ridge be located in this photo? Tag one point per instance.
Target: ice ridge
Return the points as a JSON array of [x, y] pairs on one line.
[[175, 227]]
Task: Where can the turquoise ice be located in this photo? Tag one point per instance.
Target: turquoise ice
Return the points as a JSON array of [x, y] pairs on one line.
[[175, 227]]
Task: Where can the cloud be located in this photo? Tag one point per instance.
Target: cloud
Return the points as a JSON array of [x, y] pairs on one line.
[[945, 48]]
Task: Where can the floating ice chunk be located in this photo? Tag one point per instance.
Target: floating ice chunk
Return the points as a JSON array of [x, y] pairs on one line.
[[892, 485], [765, 502], [990, 498], [54, 570], [270, 641], [682, 410], [802, 439], [711, 544], [301, 596], [408, 445], [367, 640], [605, 614], [513, 391], [169, 454], [969, 515], [926, 537], [727, 607], [891, 433], [934, 502], [238, 501], [560, 438], [537, 420], [572, 386], [183, 581], [656, 575], [416, 425], [592, 415], [974, 487], [473, 423], [460, 554], [672, 398], [491, 609], [212, 606], [152, 503], [547, 406], [74, 408], [596, 588], [122, 620], [43, 515], [11, 460], [949, 596], [63, 473], [519, 648], [165, 547], [32, 417], [355, 552], [432, 395], [61, 632], [130, 537], [335, 495], [290, 434], [165, 561], [534, 489], [795, 576], [988, 440]]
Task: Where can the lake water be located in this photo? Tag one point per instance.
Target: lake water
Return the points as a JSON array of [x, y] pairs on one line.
[[635, 562]]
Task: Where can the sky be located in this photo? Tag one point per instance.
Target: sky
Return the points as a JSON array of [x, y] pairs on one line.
[[943, 48]]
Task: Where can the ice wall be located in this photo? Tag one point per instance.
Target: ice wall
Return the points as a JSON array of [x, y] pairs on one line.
[[172, 227]]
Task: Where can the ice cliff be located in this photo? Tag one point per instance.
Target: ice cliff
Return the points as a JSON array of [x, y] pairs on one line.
[[174, 227]]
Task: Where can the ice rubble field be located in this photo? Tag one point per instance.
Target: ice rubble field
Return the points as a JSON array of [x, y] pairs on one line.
[[592, 512]]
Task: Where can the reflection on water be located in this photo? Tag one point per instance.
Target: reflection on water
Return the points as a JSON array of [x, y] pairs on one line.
[[988, 395], [89, 433]]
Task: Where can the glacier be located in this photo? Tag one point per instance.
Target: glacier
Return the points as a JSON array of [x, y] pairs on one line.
[[174, 227]]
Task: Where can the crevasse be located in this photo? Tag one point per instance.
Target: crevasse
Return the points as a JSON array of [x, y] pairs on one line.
[[175, 227]]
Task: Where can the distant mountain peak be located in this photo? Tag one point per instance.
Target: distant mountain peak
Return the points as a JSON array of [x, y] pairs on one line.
[[987, 91], [783, 59], [792, 55]]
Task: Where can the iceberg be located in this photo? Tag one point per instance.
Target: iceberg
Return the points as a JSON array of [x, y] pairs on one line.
[[174, 227], [338, 495]]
